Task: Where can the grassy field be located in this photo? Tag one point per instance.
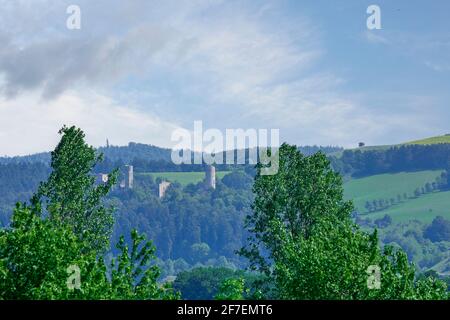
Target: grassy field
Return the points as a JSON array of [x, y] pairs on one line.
[[424, 208], [432, 140], [184, 178], [386, 186]]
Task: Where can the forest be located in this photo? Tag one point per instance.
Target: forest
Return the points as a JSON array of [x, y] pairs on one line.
[[415, 157], [71, 223]]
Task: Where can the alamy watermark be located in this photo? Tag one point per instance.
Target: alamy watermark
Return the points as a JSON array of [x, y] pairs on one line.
[[374, 277], [374, 20], [74, 277], [73, 22], [211, 146]]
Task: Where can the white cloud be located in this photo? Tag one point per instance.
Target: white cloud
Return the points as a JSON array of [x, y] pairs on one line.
[[244, 64], [231, 64], [374, 37], [438, 66], [60, 63], [29, 124]]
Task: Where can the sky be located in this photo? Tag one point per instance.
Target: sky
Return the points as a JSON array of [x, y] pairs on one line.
[[138, 70]]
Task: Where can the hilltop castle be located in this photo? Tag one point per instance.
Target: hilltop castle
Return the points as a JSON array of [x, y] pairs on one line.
[[128, 181], [209, 181], [163, 186]]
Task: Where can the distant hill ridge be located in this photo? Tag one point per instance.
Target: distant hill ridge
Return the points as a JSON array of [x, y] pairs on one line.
[[444, 139], [426, 141], [114, 153], [432, 140], [134, 151]]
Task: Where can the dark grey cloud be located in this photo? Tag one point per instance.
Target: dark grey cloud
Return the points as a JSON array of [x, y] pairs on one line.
[[117, 39], [55, 65]]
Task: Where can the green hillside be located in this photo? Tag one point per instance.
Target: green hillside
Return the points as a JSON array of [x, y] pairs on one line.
[[387, 186], [426, 141], [424, 208], [432, 140], [184, 178]]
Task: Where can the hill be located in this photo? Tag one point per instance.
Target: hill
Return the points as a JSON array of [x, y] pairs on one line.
[[125, 154], [432, 140], [424, 208], [426, 141], [390, 186]]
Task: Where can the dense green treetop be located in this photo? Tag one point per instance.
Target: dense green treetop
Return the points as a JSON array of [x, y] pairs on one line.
[[53, 247], [304, 239]]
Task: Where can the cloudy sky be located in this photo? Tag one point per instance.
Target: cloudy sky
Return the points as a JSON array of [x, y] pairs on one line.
[[139, 69]]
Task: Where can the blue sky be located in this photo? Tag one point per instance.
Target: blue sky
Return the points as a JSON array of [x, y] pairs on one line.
[[138, 70]]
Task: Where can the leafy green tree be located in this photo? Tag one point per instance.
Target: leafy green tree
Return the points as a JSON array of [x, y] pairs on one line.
[[131, 275], [302, 237], [369, 206], [383, 222], [202, 283], [417, 192], [47, 255], [375, 205], [237, 180], [200, 251], [304, 190], [70, 195], [446, 177], [438, 230], [36, 257], [232, 289]]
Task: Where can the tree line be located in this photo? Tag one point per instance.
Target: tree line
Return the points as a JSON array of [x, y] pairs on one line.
[[358, 163]]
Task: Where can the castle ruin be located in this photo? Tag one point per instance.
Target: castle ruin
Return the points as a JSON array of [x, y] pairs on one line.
[[129, 179], [210, 176], [163, 186]]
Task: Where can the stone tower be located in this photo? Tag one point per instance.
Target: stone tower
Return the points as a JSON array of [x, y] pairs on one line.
[[163, 186], [102, 178], [210, 176], [129, 180]]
